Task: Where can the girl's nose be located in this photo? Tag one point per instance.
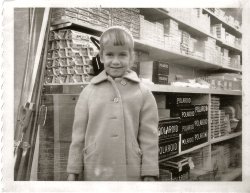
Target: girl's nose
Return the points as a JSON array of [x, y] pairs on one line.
[[115, 61]]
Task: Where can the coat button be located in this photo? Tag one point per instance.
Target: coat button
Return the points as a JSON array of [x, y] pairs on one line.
[[116, 99], [123, 82]]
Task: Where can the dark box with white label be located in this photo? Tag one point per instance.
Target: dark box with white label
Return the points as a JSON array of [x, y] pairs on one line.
[[169, 147], [168, 128], [183, 113], [201, 136], [200, 122], [179, 101], [187, 141], [155, 71], [187, 126], [201, 110]]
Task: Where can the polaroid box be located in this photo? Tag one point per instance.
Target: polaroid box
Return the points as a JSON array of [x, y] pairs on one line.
[[187, 141], [187, 126], [168, 128], [201, 136], [179, 101], [200, 122], [169, 147], [183, 113], [155, 71], [201, 109]]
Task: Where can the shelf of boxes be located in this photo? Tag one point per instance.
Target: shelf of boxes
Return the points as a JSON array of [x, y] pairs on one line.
[[190, 27], [159, 51], [169, 88], [225, 23], [226, 137], [155, 51], [72, 87], [187, 151]]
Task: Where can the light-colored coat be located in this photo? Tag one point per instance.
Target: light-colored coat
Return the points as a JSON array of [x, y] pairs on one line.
[[115, 130]]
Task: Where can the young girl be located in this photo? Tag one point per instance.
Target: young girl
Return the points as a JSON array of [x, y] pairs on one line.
[[115, 126]]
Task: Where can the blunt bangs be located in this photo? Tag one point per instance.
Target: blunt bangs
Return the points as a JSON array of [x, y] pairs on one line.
[[118, 37]]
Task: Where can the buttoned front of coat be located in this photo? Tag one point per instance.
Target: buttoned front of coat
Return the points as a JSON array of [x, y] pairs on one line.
[[115, 130]]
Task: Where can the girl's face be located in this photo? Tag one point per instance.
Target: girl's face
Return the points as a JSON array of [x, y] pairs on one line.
[[116, 59]]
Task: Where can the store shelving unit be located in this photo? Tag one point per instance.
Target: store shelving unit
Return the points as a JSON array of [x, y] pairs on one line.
[[156, 52], [226, 137], [160, 53], [232, 29]]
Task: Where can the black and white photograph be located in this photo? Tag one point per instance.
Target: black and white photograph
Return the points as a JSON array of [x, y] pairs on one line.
[[135, 98]]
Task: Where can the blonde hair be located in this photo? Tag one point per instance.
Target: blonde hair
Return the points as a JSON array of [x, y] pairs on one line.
[[119, 36]]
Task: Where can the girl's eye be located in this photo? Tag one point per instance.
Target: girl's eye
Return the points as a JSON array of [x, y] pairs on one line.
[[109, 54], [123, 54]]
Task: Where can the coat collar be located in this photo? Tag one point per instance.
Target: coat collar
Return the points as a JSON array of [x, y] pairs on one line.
[[130, 75]]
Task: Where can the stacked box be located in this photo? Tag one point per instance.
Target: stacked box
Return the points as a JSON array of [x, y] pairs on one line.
[[168, 148], [235, 61], [199, 48], [223, 123], [168, 132], [179, 101], [201, 123], [201, 109], [231, 81], [201, 20], [168, 128], [183, 113], [129, 18], [152, 32], [155, 71], [193, 120], [193, 17], [210, 49], [177, 169], [237, 43], [185, 38], [100, 17], [215, 108], [218, 31], [229, 38], [69, 57], [180, 106], [172, 35]]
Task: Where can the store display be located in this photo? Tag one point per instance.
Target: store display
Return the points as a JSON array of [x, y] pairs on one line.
[[186, 118]]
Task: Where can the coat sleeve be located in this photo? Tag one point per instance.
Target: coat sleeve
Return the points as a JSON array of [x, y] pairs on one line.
[[75, 158], [148, 135]]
